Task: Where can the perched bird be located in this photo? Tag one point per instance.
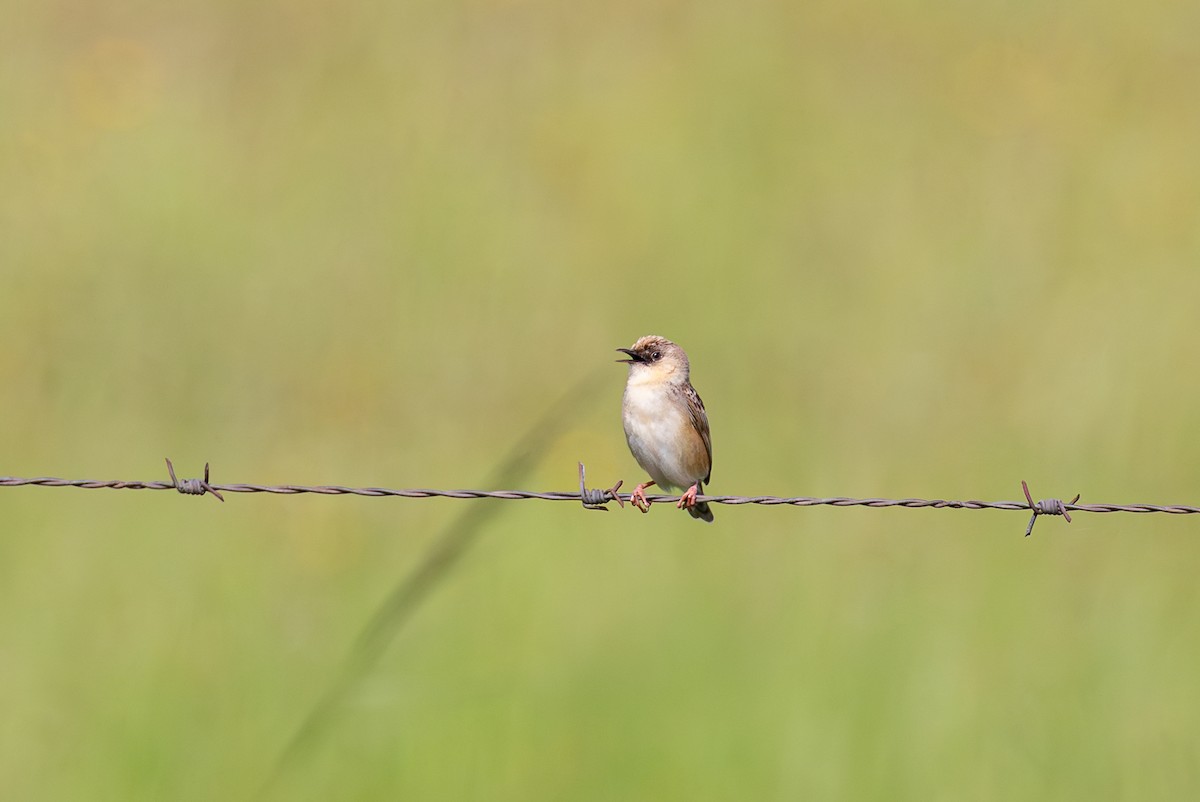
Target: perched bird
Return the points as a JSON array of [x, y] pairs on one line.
[[665, 423]]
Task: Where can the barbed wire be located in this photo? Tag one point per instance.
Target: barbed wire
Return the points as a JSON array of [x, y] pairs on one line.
[[596, 499]]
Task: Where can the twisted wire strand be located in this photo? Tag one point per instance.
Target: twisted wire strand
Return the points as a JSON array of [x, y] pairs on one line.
[[593, 497]]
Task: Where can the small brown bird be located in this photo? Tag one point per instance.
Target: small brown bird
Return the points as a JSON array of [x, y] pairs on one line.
[[665, 423]]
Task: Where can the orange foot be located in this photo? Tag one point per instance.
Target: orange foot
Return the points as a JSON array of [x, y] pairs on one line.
[[638, 497], [688, 499]]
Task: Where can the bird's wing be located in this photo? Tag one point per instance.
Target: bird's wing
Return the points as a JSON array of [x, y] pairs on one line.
[[699, 420]]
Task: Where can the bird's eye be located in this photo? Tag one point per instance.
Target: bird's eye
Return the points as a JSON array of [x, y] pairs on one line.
[[657, 355]]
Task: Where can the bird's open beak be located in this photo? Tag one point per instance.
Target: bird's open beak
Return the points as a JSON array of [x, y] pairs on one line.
[[633, 357]]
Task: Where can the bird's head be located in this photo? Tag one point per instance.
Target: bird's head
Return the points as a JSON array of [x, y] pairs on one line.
[[655, 359]]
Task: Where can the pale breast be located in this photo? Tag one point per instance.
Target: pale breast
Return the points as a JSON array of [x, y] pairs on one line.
[[662, 438]]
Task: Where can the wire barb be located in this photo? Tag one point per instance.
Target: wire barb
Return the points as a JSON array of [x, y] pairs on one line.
[[1047, 506], [596, 499], [193, 487]]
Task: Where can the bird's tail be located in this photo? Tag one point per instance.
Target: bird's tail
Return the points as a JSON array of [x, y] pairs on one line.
[[700, 509]]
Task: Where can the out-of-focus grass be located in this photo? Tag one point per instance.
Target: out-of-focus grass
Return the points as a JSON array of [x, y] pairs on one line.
[[913, 249]]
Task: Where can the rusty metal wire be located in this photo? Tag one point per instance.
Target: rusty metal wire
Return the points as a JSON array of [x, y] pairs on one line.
[[597, 499]]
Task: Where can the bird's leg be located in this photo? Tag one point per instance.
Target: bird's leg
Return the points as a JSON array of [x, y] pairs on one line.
[[638, 497], [688, 499]]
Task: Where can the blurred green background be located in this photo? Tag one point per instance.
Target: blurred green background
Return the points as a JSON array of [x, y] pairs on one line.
[[913, 249]]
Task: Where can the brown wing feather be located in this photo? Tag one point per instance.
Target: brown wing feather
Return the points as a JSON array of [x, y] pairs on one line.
[[699, 423]]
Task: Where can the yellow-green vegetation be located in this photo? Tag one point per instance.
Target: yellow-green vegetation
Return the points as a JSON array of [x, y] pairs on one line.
[[913, 249]]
